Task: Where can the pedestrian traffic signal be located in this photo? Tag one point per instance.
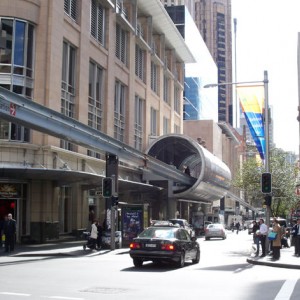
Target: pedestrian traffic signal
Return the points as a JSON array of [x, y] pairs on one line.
[[115, 201], [266, 183], [107, 187], [268, 200]]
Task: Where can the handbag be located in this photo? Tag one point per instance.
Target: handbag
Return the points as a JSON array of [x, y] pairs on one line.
[[272, 236]]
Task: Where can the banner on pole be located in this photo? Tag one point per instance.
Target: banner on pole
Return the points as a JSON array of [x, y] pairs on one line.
[[252, 103]]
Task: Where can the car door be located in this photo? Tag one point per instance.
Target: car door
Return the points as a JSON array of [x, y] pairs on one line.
[[186, 243]]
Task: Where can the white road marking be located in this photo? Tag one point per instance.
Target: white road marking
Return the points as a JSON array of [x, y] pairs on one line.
[[15, 294], [66, 298], [286, 290]]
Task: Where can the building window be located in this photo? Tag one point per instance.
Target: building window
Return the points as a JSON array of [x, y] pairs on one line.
[[98, 21], [177, 99], [140, 56], [138, 123], [119, 107], [95, 111], [95, 96], [68, 91], [166, 125], [71, 9], [121, 44], [153, 122], [154, 77], [166, 89], [16, 69], [176, 128]]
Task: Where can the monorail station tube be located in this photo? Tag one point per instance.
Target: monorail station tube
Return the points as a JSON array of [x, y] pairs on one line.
[[212, 176]]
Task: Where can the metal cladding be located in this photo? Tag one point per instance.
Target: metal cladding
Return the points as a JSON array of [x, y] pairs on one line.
[[212, 176]]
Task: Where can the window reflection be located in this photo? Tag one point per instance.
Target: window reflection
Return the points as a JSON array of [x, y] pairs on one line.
[[16, 69]]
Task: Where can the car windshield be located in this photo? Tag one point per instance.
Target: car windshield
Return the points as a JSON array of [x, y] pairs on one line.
[[162, 233]]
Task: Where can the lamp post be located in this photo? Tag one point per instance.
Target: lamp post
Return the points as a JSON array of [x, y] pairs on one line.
[[265, 83], [237, 110]]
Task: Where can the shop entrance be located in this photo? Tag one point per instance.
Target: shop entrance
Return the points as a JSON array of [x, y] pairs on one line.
[[8, 206]]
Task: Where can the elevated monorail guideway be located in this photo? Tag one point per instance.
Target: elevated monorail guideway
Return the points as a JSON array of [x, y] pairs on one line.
[[210, 177], [16, 108]]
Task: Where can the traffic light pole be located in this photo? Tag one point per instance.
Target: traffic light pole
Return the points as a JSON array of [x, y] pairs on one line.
[[268, 207], [112, 167]]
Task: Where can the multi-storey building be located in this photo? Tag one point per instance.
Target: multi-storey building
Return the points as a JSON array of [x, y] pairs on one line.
[[199, 103], [213, 18], [116, 66]]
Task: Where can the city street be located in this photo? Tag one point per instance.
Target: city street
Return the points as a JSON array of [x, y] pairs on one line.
[[223, 273]]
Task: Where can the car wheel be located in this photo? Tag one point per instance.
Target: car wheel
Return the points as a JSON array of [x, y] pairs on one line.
[[197, 259], [181, 261], [137, 262]]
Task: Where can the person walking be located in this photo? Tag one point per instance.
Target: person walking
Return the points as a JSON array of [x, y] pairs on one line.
[[276, 245], [255, 230], [297, 238], [99, 238], [9, 230], [263, 231], [94, 234], [237, 226]]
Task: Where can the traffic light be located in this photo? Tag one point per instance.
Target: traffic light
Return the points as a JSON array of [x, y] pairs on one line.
[[115, 201], [266, 183], [107, 187], [268, 200]]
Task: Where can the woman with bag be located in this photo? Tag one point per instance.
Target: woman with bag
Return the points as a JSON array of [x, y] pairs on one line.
[[277, 242]]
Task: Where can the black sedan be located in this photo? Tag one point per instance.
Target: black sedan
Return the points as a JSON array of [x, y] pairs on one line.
[[161, 244]]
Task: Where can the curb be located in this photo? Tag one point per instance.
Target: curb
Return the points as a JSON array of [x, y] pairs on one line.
[[272, 264]]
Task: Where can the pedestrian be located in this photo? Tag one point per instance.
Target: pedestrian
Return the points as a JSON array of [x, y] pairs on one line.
[[255, 230], [9, 230], [263, 231], [99, 238], [294, 235], [94, 235], [297, 238], [232, 226], [237, 226], [276, 245]]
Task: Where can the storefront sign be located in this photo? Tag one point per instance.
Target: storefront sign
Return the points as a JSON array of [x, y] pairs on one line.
[[9, 191]]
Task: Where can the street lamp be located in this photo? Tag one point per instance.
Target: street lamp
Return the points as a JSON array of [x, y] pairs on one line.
[[265, 83]]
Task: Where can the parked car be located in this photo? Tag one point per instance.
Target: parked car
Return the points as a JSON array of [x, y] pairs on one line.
[[215, 231], [183, 224], [164, 244]]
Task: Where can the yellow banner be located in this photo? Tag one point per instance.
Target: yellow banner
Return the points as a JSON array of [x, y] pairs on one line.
[[251, 98]]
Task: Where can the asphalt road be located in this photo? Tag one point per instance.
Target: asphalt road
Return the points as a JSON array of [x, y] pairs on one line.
[[223, 273]]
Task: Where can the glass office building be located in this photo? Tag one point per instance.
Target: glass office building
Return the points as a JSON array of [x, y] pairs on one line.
[[199, 103]]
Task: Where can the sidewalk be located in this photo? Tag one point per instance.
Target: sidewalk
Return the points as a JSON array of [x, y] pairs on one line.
[[58, 249], [287, 260]]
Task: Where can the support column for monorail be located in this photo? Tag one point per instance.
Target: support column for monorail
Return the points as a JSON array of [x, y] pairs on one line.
[[171, 202]]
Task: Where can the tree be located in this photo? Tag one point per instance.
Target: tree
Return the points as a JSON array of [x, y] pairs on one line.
[[284, 175]]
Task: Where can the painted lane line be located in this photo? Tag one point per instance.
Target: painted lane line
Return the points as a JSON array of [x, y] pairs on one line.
[[286, 290], [15, 294]]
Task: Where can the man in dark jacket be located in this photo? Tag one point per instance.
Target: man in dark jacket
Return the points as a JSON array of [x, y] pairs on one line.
[[9, 229]]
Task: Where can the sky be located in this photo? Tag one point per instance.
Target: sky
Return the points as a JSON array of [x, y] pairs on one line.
[[266, 40]]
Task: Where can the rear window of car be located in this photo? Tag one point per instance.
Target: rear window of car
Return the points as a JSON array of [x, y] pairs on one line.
[[163, 233], [214, 226]]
